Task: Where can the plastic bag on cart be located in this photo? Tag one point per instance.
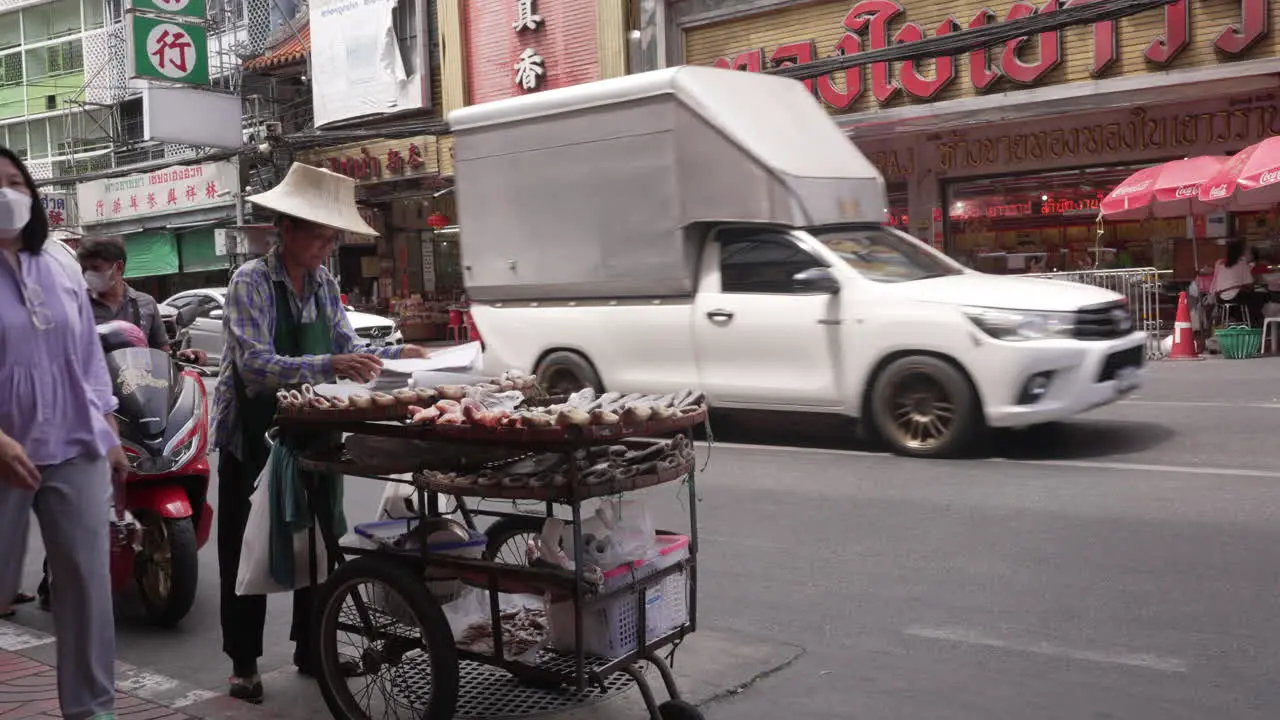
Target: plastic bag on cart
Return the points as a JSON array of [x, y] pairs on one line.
[[525, 631], [495, 401], [618, 532], [254, 575]]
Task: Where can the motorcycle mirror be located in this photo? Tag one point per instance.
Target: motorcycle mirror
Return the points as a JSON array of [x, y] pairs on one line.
[[187, 315]]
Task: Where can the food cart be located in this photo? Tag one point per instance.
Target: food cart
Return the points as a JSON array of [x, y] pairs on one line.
[[601, 628]]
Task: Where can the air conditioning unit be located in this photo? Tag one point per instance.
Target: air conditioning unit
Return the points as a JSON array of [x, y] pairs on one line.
[[272, 129]]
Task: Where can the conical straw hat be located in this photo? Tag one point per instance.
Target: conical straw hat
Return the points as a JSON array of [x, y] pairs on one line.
[[318, 195]]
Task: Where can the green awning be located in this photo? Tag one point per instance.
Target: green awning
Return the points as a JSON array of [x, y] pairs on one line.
[[153, 252], [198, 254]]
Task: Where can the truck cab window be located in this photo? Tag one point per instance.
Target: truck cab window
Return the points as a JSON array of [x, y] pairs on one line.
[[885, 255], [756, 261]]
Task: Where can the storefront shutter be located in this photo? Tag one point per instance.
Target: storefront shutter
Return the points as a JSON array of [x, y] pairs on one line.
[[198, 254], [150, 253]]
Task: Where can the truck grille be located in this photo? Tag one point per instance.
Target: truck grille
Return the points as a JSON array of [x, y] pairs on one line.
[[374, 332], [1117, 361], [1104, 322]]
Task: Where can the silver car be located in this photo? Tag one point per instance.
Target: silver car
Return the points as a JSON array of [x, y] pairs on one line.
[[206, 331]]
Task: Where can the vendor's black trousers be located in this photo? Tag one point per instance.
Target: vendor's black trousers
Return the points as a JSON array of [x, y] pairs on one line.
[[244, 616]]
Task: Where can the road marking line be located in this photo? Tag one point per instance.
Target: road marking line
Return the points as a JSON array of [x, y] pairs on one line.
[[14, 638], [1145, 661], [192, 698], [144, 684], [1180, 403], [1084, 464]]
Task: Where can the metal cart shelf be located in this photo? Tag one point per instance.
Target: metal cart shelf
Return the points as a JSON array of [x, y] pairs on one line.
[[429, 676]]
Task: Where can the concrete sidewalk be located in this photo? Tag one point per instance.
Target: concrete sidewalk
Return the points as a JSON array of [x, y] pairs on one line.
[[709, 666]]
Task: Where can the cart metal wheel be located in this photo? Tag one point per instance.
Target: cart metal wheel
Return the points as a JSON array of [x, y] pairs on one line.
[[679, 710], [376, 613], [509, 539]]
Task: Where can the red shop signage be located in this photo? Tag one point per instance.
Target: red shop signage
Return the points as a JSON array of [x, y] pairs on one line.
[[867, 27]]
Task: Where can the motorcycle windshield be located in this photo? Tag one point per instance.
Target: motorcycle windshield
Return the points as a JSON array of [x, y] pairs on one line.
[[143, 381]]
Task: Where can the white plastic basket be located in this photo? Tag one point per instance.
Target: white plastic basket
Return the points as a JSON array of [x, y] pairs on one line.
[[609, 631]]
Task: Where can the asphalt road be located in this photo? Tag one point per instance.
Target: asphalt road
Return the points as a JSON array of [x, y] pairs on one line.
[[1120, 565]]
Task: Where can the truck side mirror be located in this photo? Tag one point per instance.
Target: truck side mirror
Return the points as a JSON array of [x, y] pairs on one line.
[[815, 281], [216, 314]]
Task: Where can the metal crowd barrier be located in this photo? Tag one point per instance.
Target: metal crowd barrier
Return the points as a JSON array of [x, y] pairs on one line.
[[1140, 285]]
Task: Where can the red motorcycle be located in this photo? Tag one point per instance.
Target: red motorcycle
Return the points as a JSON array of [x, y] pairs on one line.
[[164, 428]]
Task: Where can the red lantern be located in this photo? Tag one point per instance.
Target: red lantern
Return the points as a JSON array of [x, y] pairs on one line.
[[438, 221]]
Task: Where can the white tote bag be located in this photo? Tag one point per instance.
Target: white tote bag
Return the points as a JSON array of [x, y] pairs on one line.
[[254, 576]]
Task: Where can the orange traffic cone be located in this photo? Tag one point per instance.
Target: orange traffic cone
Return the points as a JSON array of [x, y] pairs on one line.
[[1184, 342]]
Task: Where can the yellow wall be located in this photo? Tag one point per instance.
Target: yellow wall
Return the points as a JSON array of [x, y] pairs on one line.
[[822, 23]]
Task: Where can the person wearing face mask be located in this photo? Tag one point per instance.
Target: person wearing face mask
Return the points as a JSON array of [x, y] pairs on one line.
[[103, 261], [59, 447], [284, 325]]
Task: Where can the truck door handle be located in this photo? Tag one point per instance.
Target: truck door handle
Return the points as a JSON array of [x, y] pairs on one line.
[[719, 316]]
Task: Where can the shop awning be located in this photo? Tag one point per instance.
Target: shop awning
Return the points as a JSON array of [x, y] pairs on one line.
[[198, 251], [1170, 86], [150, 253]]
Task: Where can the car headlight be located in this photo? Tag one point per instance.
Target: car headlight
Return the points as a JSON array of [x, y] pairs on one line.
[[1019, 325]]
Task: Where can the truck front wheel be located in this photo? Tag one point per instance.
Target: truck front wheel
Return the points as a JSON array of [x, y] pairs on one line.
[[564, 373], [923, 406]]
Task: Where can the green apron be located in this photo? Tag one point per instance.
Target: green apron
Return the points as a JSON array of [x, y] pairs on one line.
[[289, 511]]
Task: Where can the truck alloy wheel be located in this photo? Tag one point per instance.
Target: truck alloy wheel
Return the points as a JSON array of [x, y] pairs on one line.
[[564, 372], [923, 406]]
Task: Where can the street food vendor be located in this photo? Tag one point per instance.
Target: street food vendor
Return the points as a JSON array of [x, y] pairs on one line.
[[284, 325]]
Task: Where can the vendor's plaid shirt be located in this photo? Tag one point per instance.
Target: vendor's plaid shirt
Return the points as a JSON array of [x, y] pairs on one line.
[[249, 328]]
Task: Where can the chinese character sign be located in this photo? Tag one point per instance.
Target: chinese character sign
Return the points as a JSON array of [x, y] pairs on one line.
[[177, 189], [530, 68], [181, 8], [163, 50]]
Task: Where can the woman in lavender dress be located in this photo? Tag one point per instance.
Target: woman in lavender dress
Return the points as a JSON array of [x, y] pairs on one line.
[[58, 443]]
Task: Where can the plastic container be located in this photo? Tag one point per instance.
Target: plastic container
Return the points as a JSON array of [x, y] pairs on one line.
[[442, 583], [609, 631], [1239, 342]]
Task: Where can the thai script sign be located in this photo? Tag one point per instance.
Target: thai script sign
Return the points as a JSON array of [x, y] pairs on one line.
[[1156, 38], [173, 190]]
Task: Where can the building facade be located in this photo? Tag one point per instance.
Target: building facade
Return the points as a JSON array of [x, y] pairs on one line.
[[1000, 157], [476, 51]]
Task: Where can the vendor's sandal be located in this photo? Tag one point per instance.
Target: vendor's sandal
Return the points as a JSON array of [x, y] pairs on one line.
[[23, 598], [247, 689]]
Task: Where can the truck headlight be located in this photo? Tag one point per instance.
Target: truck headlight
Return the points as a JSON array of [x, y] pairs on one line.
[[1019, 325]]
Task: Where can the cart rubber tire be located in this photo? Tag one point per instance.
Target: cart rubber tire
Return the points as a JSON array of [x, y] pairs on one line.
[[505, 529], [402, 578], [184, 573], [923, 386], [564, 372], [679, 710]]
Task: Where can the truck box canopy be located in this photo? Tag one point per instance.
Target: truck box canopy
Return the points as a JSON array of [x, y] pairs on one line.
[[589, 191]]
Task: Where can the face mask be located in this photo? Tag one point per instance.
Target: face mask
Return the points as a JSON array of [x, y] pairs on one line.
[[98, 281], [15, 210]]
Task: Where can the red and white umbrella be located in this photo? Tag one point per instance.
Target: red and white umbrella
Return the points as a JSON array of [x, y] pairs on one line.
[[1170, 189], [1250, 180]]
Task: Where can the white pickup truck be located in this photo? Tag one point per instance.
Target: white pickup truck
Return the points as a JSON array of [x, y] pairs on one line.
[[796, 299]]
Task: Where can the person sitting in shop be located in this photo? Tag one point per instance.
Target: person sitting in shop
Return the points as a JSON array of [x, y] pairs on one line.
[[1233, 281]]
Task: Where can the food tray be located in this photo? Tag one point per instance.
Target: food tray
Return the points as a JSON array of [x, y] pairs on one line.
[[574, 434], [566, 492], [335, 415]]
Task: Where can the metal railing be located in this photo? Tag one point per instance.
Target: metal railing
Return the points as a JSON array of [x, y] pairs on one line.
[[1140, 285]]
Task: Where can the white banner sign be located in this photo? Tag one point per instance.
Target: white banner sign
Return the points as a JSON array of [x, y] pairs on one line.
[[356, 65], [173, 190], [60, 209]]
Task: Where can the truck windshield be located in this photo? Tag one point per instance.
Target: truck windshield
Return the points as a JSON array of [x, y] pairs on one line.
[[884, 255]]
